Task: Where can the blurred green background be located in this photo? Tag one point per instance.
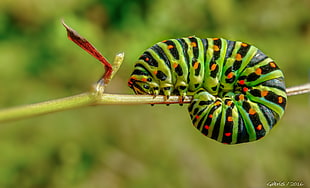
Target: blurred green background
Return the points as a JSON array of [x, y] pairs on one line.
[[139, 145]]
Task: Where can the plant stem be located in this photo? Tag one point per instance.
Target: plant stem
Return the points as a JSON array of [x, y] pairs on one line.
[[41, 108], [90, 98], [297, 90]]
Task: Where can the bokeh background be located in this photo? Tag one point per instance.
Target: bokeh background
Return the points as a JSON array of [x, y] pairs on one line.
[[138, 145]]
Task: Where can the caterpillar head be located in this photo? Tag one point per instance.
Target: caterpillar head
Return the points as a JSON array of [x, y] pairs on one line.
[[141, 82]]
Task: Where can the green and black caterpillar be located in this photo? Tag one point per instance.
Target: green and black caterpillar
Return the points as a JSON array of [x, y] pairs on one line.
[[238, 92]]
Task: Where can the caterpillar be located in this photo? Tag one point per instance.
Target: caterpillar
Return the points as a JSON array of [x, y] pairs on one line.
[[238, 91]]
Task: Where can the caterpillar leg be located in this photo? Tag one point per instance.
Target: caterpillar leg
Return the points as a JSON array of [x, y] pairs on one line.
[[232, 119]]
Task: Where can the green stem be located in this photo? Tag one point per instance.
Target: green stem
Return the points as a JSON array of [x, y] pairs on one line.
[[81, 100], [96, 98], [297, 90], [26, 111]]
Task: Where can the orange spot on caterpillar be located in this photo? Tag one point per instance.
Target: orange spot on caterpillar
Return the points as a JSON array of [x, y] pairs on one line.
[[244, 44], [241, 82], [216, 48], [252, 111], [272, 64], [213, 67], [280, 100], [206, 126], [217, 103], [241, 97], [147, 59], [258, 71], [170, 47], [164, 41], [227, 134], [245, 89], [210, 116], [229, 118], [215, 38], [259, 127], [175, 65], [144, 80], [264, 93], [193, 44], [229, 103], [230, 75], [196, 64], [238, 57], [155, 72]]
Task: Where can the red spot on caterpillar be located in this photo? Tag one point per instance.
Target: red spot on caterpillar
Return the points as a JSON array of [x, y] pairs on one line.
[[210, 116], [206, 126], [230, 75], [245, 89], [227, 134], [241, 82], [259, 127], [197, 117]]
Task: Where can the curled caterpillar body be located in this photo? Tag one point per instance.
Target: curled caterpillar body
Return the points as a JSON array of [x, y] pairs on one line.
[[238, 92]]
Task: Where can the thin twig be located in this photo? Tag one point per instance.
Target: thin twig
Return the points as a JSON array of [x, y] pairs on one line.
[[88, 99], [297, 90], [41, 108]]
